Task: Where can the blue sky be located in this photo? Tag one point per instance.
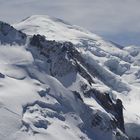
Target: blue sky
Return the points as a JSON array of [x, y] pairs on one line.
[[116, 20]]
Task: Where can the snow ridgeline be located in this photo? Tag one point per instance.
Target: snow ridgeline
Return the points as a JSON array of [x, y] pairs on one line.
[[61, 87]]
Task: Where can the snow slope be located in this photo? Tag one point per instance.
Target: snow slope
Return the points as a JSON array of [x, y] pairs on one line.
[[66, 83]]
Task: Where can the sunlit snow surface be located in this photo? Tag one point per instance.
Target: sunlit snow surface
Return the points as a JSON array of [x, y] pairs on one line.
[[37, 106]]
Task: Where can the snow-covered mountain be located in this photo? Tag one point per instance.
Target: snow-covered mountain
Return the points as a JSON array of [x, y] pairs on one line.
[[59, 81]]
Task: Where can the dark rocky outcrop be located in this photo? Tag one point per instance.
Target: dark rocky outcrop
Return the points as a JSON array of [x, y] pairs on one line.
[[2, 76], [119, 114], [9, 35], [37, 40], [116, 109], [65, 54]]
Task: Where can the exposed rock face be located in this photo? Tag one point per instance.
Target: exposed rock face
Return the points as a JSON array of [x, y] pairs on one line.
[[60, 54], [37, 40], [10, 35], [119, 116], [2, 76], [116, 109]]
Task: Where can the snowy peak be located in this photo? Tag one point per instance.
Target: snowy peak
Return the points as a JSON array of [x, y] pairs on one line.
[[74, 83], [59, 30], [10, 35], [54, 29]]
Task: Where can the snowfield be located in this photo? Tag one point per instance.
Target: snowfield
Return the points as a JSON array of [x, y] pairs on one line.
[[62, 82]]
